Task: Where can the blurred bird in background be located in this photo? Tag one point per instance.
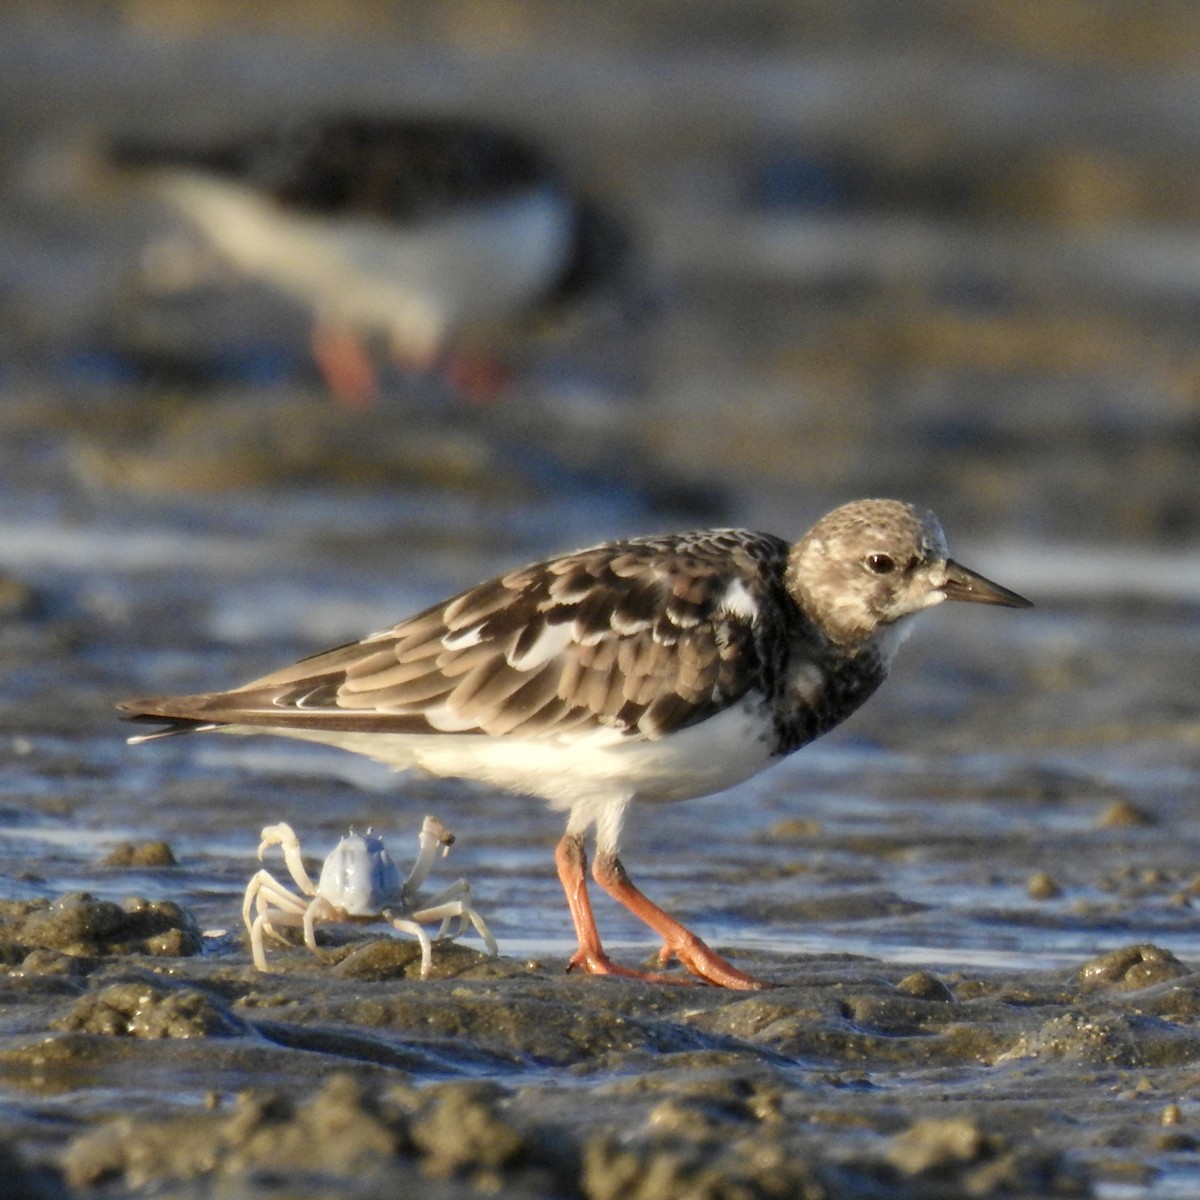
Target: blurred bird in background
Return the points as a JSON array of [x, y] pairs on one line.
[[440, 239]]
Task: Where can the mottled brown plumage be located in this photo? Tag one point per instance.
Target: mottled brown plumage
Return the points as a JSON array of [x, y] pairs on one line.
[[630, 636]]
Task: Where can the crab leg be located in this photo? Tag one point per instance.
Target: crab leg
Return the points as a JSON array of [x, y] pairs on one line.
[[265, 923], [284, 837], [404, 925], [433, 836], [274, 904], [319, 910], [451, 909]]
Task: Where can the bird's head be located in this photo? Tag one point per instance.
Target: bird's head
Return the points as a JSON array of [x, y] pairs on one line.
[[866, 565]]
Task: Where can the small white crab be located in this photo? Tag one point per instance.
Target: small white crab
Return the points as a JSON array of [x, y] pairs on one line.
[[359, 882]]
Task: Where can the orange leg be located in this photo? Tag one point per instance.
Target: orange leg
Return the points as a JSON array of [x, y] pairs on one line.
[[678, 941], [345, 366], [571, 860], [477, 378]]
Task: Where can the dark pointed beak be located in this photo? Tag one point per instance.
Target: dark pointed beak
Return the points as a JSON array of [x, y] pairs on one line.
[[962, 584]]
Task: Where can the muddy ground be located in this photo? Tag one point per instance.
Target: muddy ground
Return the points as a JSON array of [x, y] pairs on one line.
[[850, 1078]]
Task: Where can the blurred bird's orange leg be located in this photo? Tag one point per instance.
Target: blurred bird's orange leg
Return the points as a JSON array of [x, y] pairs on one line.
[[477, 377], [345, 366], [571, 860], [678, 941]]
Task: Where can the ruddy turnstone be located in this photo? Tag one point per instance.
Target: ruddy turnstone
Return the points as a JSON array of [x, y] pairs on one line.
[[422, 230], [639, 671]]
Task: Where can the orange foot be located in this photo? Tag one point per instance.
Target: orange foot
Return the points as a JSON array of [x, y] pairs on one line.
[[707, 964], [598, 963]]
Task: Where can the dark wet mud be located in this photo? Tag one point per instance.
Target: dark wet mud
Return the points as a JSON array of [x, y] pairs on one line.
[[941, 255], [851, 1077]]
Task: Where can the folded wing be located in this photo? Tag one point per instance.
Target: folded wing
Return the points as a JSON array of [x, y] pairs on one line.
[[643, 637]]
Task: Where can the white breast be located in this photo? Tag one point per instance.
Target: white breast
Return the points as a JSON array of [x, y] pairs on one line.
[[576, 770]]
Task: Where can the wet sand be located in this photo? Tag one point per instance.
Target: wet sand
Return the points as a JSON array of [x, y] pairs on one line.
[[851, 1077]]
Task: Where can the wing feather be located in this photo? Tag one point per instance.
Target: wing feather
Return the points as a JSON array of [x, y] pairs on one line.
[[599, 654], [528, 703], [404, 697], [486, 689], [632, 635], [408, 650], [366, 677]]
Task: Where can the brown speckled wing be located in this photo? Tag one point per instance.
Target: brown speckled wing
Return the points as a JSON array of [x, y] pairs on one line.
[[643, 637]]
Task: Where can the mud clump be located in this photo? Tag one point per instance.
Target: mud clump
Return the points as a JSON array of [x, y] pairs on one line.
[[1043, 886], [924, 986], [479, 1136], [954, 1156], [140, 854], [1123, 815], [466, 1131], [1114, 1040], [80, 926], [455, 1130], [933, 1158], [397, 958], [1131, 968], [338, 1130], [146, 1011], [683, 1169]]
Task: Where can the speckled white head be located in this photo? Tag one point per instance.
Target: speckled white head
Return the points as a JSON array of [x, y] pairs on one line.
[[866, 565]]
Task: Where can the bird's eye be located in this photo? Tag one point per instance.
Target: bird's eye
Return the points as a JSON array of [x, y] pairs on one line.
[[881, 564]]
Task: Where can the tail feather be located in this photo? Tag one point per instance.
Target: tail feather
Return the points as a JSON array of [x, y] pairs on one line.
[[158, 711], [171, 727]]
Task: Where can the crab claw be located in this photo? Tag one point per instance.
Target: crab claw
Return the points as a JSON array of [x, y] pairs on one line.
[[276, 835], [432, 826]]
